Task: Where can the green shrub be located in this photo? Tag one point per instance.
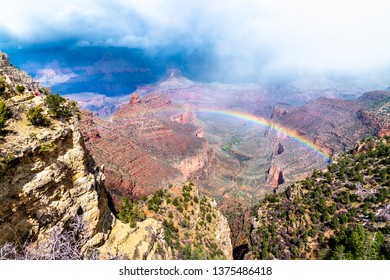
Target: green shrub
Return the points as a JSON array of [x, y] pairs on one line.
[[175, 202], [59, 108], [20, 88], [36, 117], [6, 163], [130, 213], [4, 114], [357, 243], [155, 202], [196, 199], [46, 147], [2, 84]]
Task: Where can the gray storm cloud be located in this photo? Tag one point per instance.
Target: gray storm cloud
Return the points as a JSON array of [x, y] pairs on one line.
[[258, 36]]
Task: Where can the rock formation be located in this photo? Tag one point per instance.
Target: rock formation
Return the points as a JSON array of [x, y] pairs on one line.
[[16, 76], [4, 60], [147, 136], [281, 110], [46, 176], [274, 177], [280, 149]]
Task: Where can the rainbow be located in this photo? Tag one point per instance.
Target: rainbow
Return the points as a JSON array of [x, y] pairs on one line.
[[257, 120], [266, 123]]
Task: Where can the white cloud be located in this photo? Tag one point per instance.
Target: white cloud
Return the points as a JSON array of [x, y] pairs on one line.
[[259, 35]]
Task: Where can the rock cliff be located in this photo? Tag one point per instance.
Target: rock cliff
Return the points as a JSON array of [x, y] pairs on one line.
[[46, 175]]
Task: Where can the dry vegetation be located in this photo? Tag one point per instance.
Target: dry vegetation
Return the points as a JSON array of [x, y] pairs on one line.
[[65, 245]]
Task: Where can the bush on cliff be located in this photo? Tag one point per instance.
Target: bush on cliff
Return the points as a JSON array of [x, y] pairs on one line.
[[2, 84], [36, 117], [4, 114], [130, 213], [56, 105], [60, 108], [20, 88]]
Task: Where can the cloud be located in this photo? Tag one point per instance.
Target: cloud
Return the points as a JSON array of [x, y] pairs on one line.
[[259, 37]]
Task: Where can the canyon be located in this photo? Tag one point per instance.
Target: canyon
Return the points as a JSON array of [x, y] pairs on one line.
[[51, 188], [231, 144], [176, 129]]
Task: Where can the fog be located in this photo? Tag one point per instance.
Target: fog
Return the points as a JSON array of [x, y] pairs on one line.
[[249, 40]]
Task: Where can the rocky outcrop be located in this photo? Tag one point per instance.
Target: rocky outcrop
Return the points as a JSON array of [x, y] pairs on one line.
[[274, 177], [4, 60], [135, 99], [145, 242], [47, 177], [377, 113], [370, 119], [384, 131], [280, 149], [16, 76], [49, 183], [194, 229], [187, 117], [281, 110], [196, 165], [367, 118]]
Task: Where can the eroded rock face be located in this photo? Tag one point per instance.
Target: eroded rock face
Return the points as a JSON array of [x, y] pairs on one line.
[[150, 143], [46, 176], [275, 177], [49, 183], [16, 76], [281, 110], [4, 60], [384, 131], [335, 124], [145, 242]]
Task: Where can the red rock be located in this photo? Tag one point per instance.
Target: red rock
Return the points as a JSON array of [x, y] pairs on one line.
[[151, 142], [384, 131], [135, 99], [274, 177]]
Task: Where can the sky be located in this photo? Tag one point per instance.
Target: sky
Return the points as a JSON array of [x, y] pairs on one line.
[[258, 36]]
